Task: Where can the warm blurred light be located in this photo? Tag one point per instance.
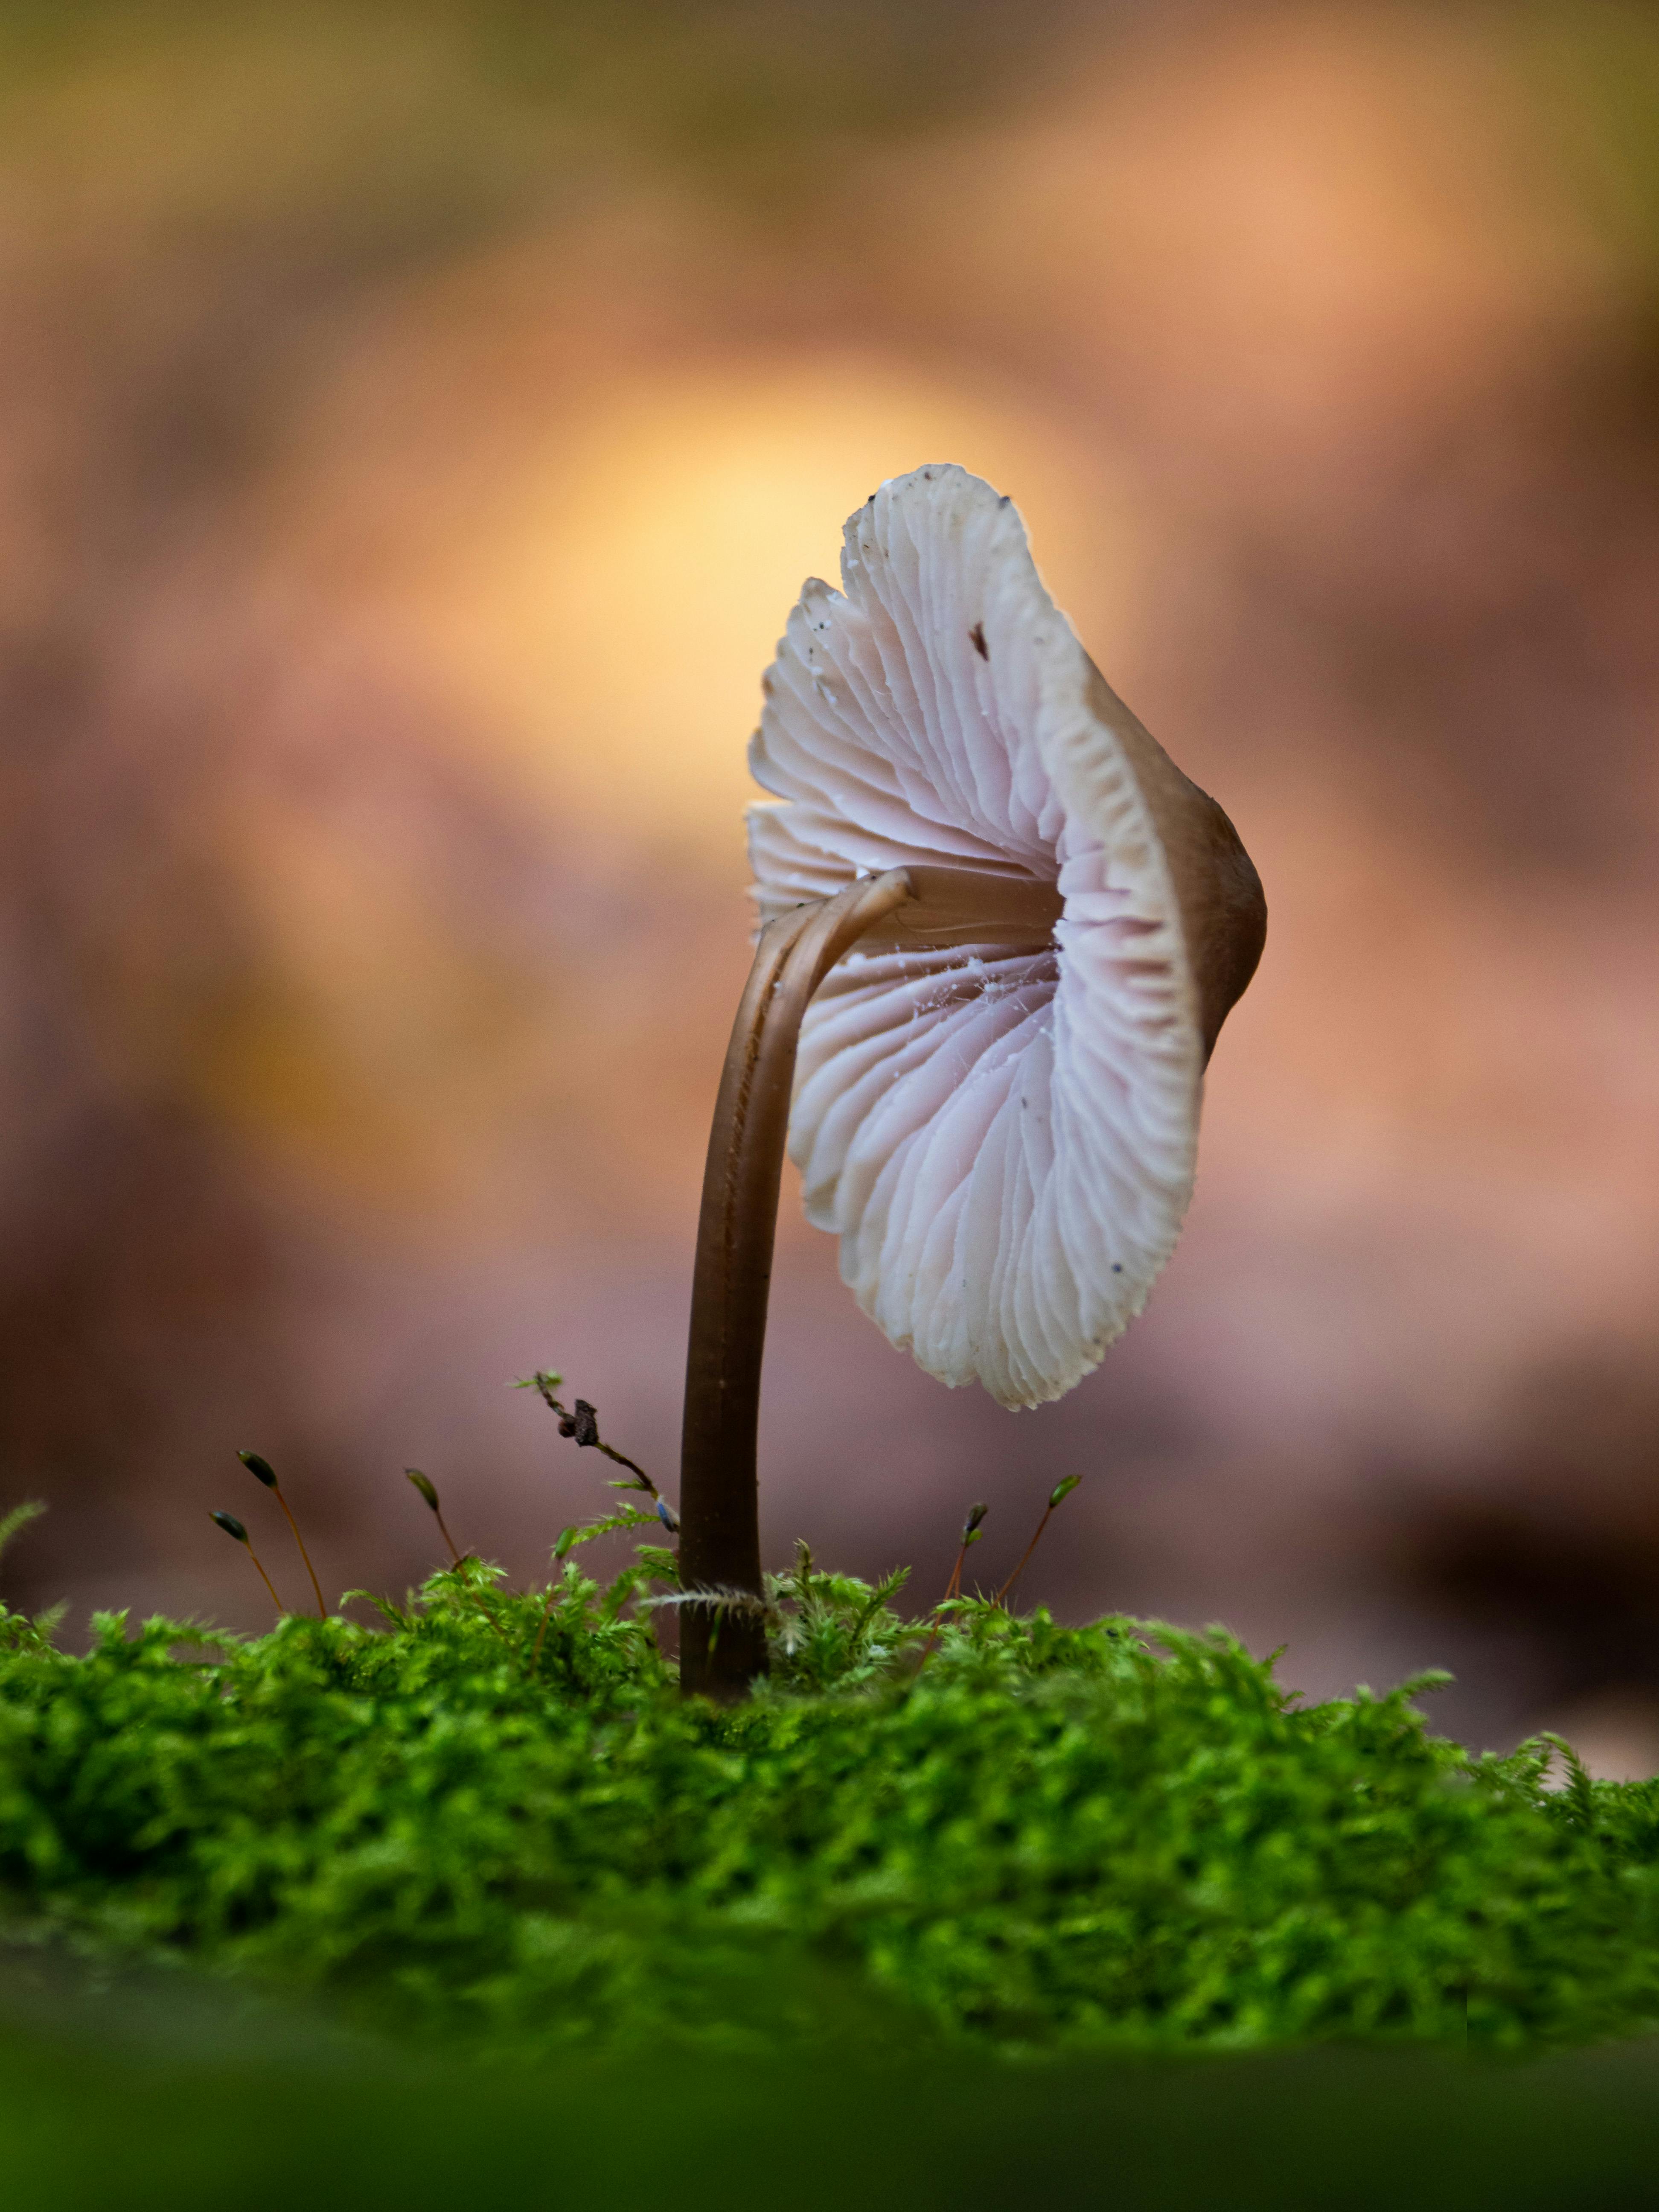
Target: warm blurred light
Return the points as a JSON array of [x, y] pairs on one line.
[[609, 608], [1282, 242]]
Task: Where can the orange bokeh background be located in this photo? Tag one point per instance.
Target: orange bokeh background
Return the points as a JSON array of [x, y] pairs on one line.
[[417, 424]]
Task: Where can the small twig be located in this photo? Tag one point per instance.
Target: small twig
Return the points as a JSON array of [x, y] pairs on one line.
[[235, 1529], [1057, 1496], [263, 1471], [580, 1422]]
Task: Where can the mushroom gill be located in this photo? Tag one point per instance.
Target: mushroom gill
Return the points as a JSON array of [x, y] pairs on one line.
[[1000, 932]]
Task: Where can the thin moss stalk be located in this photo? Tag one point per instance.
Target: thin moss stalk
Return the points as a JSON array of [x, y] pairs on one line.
[[723, 1648]]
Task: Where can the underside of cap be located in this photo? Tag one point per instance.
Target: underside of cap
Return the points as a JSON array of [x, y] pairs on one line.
[[1002, 1133]]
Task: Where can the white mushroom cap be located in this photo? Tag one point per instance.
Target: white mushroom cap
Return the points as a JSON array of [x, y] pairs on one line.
[[1002, 1133]]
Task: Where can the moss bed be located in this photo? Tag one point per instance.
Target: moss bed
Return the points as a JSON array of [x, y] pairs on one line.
[[488, 1818]]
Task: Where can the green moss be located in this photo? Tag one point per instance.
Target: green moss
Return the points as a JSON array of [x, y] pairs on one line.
[[461, 1821]]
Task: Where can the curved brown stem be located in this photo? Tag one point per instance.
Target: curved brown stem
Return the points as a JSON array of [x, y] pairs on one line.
[[722, 1651]]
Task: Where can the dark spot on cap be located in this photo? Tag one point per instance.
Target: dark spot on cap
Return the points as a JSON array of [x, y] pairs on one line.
[[977, 633], [1117, 1266]]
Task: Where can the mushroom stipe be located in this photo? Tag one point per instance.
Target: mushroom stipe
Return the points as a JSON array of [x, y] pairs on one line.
[[719, 1517], [1001, 931]]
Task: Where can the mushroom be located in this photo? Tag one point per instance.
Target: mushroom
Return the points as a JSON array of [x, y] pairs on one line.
[[1000, 932]]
